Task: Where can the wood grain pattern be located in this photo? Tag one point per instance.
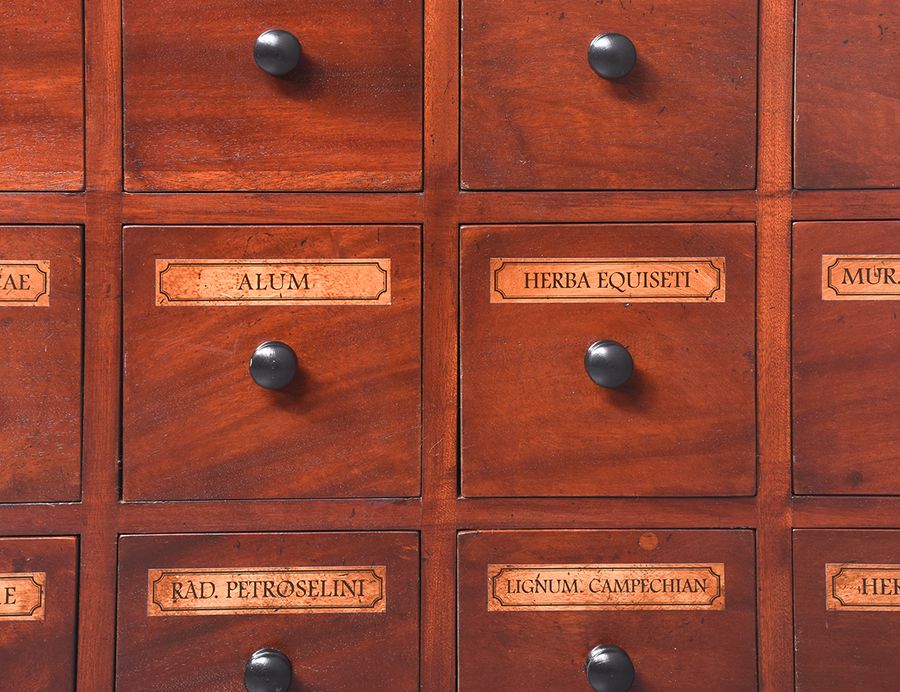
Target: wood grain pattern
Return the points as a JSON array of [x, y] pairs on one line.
[[25, 642], [845, 371], [848, 94], [534, 424], [837, 649], [535, 116], [689, 650], [195, 424], [200, 115], [40, 366], [42, 100], [328, 651]]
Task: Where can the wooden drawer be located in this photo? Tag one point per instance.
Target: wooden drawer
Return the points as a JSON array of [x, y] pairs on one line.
[[198, 304], [535, 298], [536, 116], [533, 604], [846, 374], [847, 94], [341, 607], [846, 610], [42, 100], [38, 584], [201, 115], [40, 363]]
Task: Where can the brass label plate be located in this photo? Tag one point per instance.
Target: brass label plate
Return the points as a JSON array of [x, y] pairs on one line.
[[266, 591], [862, 587], [613, 280], [22, 596], [860, 277], [273, 282], [25, 283], [606, 587]]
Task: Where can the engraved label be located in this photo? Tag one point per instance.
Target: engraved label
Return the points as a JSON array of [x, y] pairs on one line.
[[606, 587], [862, 587], [266, 590], [273, 282], [860, 277], [25, 283], [613, 280], [22, 596]]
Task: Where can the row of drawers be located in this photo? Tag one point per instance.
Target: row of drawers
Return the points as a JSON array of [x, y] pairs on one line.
[[330, 320], [200, 115], [344, 609]]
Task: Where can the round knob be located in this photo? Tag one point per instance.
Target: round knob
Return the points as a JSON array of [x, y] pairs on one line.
[[268, 670], [277, 52], [273, 365], [608, 363], [612, 56], [609, 669]]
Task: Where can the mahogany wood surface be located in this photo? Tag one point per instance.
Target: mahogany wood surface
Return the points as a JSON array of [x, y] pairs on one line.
[[848, 98], [200, 114], [40, 364], [426, 163], [42, 100]]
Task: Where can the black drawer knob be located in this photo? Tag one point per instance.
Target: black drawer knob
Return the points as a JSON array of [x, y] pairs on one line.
[[273, 365], [612, 56], [277, 52], [608, 363], [268, 670], [609, 669]]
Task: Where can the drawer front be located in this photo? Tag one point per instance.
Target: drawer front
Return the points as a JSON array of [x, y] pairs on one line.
[[846, 376], [679, 299], [200, 114], [42, 100], [534, 604], [846, 610], [193, 609], [200, 303], [40, 363], [535, 115], [847, 94], [38, 582]]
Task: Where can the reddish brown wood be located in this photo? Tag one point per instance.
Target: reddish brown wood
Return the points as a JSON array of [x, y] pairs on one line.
[[196, 426], [535, 116], [42, 100], [534, 424], [327, 651], [26, 645], [200, 115], [684, 650], [848, 96], [840, 650], [40, 352], [845, 370]]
